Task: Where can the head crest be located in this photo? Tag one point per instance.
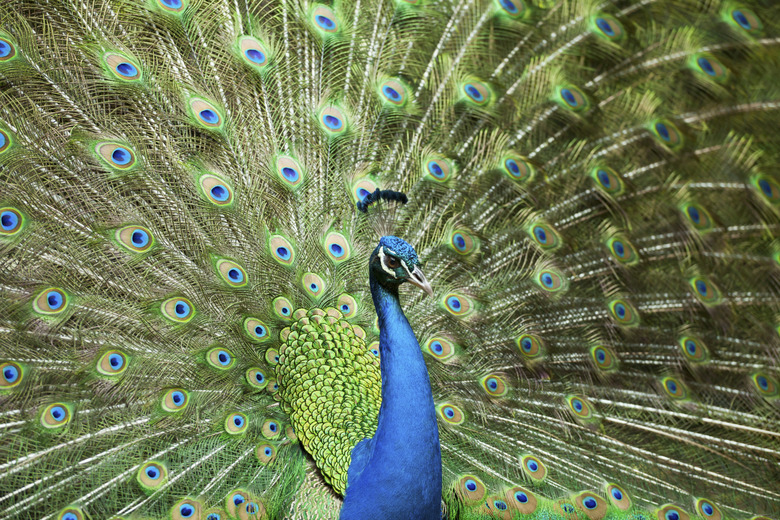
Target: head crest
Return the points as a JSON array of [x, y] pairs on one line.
[[382, 218]]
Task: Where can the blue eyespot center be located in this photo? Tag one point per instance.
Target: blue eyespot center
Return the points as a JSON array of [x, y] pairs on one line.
[[5, 48], [336, 249], [140, 238], [332, 122], [568, 508], [707, 508], [209, 116], [437, 347], [741, 19], [473, 92], [766, 187], [492, 383], [57, 413], [672, 515], [454, 303], [500, 504], [268, 451], [235, 275], [127, 69], [604, 179], [8, 219], [238, 421], [671, 386], [509, 6], [177, 397], [54, 299], [521, 497], [238, 499], [663, 131], [121, 156], [435, 169], [532, 465], [616, 494], [344, 307], [605, 26], [471, 485], [449, 412], [460, 242], [273, 426], [526, 343], [325, 22], [283, 253], [69, 516], [116, 361], [763, 382], [601, 355], [568, 96], [220, 192], [620, 309], [590, 503], [286, 310], [701, 286], [512, 166], [391, 93], [259, 377], [255, 56], [547, 279], [152, 473], [706, 66], [693, 213], [182, 309], [291, 174], [259, 331], [577, 404], [173, 4], [10, 374], [224, 357], [618, 248]]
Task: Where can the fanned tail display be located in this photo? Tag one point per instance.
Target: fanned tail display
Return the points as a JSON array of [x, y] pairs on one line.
[[187, 328]]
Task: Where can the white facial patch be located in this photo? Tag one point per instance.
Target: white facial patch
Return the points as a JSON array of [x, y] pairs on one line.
[[382, 258]]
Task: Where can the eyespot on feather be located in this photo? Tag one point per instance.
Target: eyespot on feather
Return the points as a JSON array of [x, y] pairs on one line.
[[178, 309], [253, 52], [232, 273], [272, 356], [438, 168], [533, 468], [347, 305], [671, 512], [71, 513], [608, 180], [112, 363], [697, 217], [594, 507], [172, 6], [282, 307], [440, 348], [116, 155], [313, 285], [551, 280], [265, 453], [623, 313], [705, 291], [693, 349], [494, 385], [708, 67], [333, 120], [476, 92], [11, 221], [745, 20], [514, 9], [236, 423], [7, 49], [544, 235], [767, 188], [11, 375], [765, 385], [175, 400], [708, 510], [56, 416], [220, 358], [571, 98], [152, 475], [667, 134], [122, 67], [604, 358], [271, 429], [393, 93], [5, 140], [522, 500], [607, 27], [471, 489], [336, 247], [622, 250], [618, 497], [281, 250], [531, 346], [256, 378], [256, 330], [451, 413], [362, 188], [206, 114], [457, 305], [136, 239], [216, 190], [674, 388], [580, 407], [186, 508], [51, 301], [462, 242], [325, 20], [517, 168], [289, 171]]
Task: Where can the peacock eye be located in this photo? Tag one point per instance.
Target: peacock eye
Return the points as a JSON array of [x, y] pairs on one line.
[[392, 262]]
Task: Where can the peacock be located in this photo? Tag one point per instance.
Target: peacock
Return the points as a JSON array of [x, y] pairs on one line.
[[389, 259]]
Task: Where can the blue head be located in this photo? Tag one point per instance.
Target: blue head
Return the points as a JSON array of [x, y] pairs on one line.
[[394, 262]]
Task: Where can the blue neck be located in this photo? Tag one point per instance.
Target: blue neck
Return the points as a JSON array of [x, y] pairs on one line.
[[397, 473]]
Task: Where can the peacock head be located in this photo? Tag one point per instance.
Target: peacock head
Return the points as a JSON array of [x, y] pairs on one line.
[[394, 262]]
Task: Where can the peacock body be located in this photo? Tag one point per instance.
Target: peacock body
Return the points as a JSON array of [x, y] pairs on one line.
[[197, 322]]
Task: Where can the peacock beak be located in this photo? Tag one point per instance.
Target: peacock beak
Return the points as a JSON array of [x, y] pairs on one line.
[[417, 278]]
